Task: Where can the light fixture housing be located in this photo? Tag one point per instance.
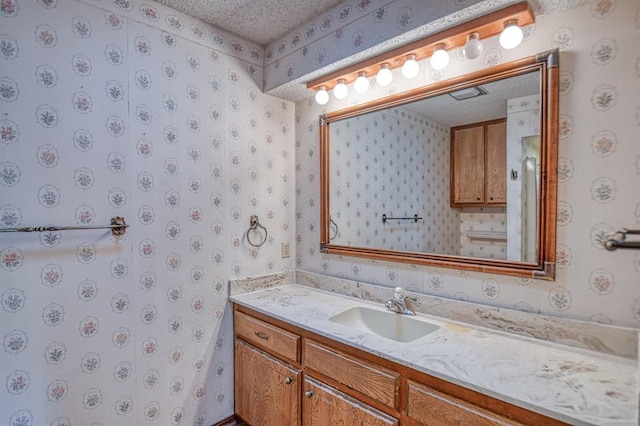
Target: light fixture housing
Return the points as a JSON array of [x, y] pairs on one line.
[[384, 76], [341, 90], [473, 48], [458, 37], [322, 96], [361, 84], [410, 68], [512, 35], [440, 58]]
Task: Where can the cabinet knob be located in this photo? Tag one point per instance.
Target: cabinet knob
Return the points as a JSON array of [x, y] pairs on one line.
[[491, 198], [308, 394], [477, 198], [288, 380]]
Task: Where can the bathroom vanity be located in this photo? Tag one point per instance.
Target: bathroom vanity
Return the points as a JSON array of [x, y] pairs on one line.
[[284, 374], [299, 361]]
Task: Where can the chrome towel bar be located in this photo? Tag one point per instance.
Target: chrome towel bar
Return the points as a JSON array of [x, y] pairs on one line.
[[617, 240], [118, 227], [415, 218]]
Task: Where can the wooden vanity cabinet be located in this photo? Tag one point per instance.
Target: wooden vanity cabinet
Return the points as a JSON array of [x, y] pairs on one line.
[[285, 375], [272, 387], [479, 164]]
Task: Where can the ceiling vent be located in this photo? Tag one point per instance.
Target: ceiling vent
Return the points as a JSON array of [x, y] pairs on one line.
[[468, 93]]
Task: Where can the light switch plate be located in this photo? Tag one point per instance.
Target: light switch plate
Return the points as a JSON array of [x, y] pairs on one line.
[[286, 252]]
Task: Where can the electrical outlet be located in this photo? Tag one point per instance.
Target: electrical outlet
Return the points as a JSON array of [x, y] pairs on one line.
[[286, 252]]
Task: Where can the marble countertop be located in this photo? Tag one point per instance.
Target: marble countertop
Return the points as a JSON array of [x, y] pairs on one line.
[[570, 384]]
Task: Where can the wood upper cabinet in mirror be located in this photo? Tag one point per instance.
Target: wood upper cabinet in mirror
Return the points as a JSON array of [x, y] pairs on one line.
[[438, 167], [478, 165], [495, 162]]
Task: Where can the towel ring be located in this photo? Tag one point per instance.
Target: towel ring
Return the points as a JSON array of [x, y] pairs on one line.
[[334, 226], [254, 224]]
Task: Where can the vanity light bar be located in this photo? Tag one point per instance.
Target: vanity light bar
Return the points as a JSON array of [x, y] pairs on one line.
[[455, 37]]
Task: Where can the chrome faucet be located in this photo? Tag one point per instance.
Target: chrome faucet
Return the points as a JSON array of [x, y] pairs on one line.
[[399, 302]]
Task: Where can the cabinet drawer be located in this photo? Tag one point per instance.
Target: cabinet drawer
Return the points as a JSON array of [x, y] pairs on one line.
[[434, 408], [275, 339], [369, 379]]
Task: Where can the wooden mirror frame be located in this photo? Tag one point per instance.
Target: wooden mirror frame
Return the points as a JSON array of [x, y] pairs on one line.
[[547, 64]]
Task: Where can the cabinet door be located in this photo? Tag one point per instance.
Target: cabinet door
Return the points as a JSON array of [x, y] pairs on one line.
[[323, 405], [467, 158], [496, 165], [434, 408], [266, 390]]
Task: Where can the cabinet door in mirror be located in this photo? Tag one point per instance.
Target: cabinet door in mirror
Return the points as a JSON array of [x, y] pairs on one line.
[[460, 173]]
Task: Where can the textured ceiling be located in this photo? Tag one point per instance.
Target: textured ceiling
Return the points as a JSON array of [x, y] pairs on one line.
[[446, 110], [259, 21]]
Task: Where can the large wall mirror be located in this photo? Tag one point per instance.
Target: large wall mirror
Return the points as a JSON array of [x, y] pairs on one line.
[[458, 174]]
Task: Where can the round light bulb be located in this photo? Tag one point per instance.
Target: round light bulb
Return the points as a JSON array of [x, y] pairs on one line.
[[440, 58], [410, 69], [341, 90], [473, 48], [322, 96], [384, 76], [361, 84], [511, 36]]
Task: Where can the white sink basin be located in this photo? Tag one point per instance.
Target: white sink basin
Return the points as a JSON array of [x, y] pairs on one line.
[[398, 327]]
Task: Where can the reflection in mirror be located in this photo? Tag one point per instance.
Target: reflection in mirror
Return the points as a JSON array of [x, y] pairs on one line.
[[448, 177], [395, 162]]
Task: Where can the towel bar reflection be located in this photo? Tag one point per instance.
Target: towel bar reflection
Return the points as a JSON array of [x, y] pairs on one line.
[[415, 218], [617, 240], [118, 227]]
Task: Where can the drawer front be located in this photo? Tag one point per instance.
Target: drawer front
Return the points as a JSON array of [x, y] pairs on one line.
[[275, 339], [369, 379], [434, 408]]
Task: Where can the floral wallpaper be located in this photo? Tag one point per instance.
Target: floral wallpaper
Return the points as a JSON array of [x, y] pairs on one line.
[[116, 109], [392, 162], [599, 169]]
